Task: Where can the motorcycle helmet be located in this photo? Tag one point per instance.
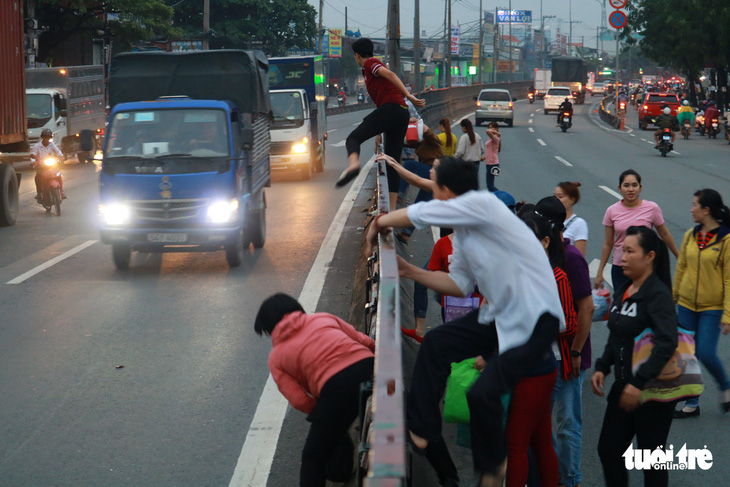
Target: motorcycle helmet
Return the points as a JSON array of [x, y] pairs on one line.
[[567, 99], [667, 110], [46, 133], [685, 102]]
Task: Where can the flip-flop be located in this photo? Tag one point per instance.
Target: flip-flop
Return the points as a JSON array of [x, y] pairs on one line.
[[347, 176]]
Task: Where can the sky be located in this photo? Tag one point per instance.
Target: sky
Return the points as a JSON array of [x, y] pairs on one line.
[[370, 17]]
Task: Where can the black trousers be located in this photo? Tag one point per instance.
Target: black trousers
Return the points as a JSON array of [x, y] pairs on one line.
[[328, 451], [466, 338], [389, 119], [650, 423]]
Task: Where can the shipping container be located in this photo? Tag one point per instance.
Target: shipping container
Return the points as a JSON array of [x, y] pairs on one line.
[[13, 132]]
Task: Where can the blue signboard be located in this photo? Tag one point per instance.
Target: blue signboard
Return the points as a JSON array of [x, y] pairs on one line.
[[514, 16]]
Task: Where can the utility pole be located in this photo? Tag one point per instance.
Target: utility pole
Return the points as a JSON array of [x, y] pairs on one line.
[[319, 28], [394, 36], [448, 68], [447, 43], [206, 24], [417, 48], [510, 41], [345, 22], [481, 40], [570, 31]]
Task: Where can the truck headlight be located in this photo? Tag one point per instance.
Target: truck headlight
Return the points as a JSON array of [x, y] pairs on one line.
[[114, 214], [223, 211], [301, 147]]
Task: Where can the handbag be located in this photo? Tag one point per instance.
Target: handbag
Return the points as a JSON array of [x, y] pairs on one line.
[[457, 307], [680, 378]]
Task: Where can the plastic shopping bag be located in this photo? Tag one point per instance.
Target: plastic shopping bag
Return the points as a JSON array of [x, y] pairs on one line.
[[463, 375], [601, 303], [414, 134]]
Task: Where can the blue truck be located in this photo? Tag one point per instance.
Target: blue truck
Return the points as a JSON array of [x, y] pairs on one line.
[[186, 157], [299, 109]]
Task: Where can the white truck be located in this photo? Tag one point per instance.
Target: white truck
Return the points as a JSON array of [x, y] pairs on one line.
[[70, 102], [543, 78], [298, 104]]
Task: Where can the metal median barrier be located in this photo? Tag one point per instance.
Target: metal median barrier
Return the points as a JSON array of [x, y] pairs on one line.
[[382, 459]]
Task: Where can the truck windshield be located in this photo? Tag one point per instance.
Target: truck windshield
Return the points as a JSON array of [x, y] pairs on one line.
[[287, 109], [151, 134], [40, 108]]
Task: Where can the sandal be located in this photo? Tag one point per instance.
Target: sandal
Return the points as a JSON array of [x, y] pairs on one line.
[[347, 176]]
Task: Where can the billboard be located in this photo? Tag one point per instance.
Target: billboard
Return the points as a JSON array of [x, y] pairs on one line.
[[514, 16], [455, 40], [335, 42]]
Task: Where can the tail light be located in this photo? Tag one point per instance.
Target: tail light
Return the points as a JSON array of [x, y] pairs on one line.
[[100, 131], [511, 106], [566, 114]]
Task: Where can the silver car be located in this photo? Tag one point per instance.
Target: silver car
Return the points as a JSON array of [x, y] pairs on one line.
[[495, 105], [556, 96]]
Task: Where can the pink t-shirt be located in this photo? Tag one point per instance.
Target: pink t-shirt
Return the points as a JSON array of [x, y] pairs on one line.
[[618, 216], [492, 151]]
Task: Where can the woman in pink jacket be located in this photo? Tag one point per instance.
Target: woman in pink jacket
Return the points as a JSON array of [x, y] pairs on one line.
[[318, 362]]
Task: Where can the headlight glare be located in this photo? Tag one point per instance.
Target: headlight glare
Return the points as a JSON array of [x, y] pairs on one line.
[[223, 211], [114, 214], [50, 161]]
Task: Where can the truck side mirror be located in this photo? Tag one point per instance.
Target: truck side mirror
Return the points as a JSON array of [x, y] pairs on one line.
[[64, 113], [514, 99]]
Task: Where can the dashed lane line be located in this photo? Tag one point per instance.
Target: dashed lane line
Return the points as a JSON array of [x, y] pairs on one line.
[[38, 269], [532, 130], [611, 192], [333, 130], [338, 144], [257, 454], [563, 161], [529, 121], [541, 142]]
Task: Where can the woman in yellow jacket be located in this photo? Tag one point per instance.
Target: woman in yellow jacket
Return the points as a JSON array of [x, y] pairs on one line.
[[702, 288]]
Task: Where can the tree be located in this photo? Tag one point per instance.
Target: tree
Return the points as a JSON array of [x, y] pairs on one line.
[[271, 25], [128, 20]]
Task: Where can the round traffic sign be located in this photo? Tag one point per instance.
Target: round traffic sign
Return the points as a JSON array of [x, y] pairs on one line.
[[617, 19], [617, 3]]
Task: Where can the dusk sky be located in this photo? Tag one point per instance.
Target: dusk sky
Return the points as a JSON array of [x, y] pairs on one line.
[[370, 17]]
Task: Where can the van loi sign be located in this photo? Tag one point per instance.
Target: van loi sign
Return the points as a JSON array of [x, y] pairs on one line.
[[514, 16]]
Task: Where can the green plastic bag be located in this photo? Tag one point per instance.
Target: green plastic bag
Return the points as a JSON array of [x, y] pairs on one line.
[[463, 375]]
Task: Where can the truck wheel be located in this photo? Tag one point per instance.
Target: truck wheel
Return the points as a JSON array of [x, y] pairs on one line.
[[122, 255], [546, 112], [510, 123], [8, 196], [258, 228], [235, 251], [319, 162]]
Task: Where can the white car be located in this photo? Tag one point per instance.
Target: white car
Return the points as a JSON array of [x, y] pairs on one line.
[[599, 88], [555, 96]]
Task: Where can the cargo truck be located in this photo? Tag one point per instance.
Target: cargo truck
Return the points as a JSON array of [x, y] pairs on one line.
[[13, 132], [299, 106], [186, 155], [542, 82], [573, 73], [70, 102]]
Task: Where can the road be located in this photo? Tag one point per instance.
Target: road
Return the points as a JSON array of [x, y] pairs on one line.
[[152, 377]]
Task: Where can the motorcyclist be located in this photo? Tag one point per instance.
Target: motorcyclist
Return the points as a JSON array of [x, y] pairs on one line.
[[711, 112], [342, 95], [686, 112], [665, 121], [566, 106], [39, 153]]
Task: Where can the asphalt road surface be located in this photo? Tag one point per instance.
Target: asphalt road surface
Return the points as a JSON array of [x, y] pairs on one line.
[[152, 377]]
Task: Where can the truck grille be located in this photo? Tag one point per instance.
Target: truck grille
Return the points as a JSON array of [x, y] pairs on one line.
[[280, 148], [167, 211]]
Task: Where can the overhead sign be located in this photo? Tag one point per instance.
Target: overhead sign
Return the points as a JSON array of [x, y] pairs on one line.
[[617, 4], [617, 19], [514, 16], [455, 40], [335, 42]]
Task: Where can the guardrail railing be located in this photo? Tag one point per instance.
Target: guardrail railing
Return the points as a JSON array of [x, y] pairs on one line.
[[383, 430]]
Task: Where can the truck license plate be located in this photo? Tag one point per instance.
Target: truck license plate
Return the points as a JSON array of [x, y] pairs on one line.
[[167, 237]]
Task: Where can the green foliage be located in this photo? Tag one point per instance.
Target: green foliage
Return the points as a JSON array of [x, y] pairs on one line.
[[271, 25], [137, 20]]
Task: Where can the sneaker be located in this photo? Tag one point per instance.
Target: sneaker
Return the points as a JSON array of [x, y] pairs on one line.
[[682, 413]]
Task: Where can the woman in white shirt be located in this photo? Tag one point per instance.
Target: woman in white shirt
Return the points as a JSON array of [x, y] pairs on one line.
[[576, 228], [470, 147]]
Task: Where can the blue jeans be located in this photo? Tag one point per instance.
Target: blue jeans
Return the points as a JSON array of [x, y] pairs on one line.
[[490, 180], [568, 433], [706, 325]]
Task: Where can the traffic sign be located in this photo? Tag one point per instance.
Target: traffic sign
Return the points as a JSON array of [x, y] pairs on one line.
[[617, 4], [617, 19]]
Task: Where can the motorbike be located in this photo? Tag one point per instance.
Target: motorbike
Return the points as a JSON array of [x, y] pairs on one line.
[[713, 129], [700, 122], [686, 129], [531, 97], [566, 121], [341, 100], [361, 97], [665, 142], [50, 185]]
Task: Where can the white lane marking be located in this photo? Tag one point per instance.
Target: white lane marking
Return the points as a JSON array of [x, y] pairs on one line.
[[465, 117], [649, 142], [355, 124], [52, 262], [633, 135], [541, 142], [563, 161], [529, 121], [537, 111], [675, 152], [593, 271], [330, 131], [338, 144], [532, 115], [532, 130], [644, 139], [611, 192], [257, 454]]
